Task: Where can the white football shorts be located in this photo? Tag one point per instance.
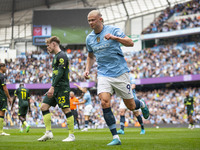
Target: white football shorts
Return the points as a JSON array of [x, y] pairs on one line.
[[120, 85], [88, 110]]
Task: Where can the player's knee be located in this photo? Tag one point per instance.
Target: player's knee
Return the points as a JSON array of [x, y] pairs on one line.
[[44, 107], [66, 110], [131, 107], [105, 104], [122, 112], [21, 118]]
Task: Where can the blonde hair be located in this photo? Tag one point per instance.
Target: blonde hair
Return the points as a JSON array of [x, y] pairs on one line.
[[97, 13], [53, 39]]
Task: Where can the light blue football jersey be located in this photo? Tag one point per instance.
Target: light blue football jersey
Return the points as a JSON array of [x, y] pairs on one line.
[[109, 56], [88, 98]]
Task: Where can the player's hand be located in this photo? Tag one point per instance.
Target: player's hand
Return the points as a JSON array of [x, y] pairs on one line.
[[50, 92], [86, 75], [109, 36], [30, 113]]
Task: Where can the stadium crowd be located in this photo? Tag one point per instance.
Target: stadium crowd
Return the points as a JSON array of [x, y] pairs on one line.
[[163, 61], [192, 7], [165, 105], [159, 61], [161, 23]]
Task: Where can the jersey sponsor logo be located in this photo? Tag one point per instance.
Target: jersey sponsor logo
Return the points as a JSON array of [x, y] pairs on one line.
[[188, 103], [61, 60], [103, 46]]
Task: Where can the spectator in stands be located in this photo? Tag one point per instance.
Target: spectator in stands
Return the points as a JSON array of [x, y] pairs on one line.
[[161, 23], [148, 63]]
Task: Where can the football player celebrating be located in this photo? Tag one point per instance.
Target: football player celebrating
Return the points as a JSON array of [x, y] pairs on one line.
[[104, 43]]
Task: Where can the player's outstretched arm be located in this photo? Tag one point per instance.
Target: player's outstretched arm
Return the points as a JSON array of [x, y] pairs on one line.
[[126, 41], [80, 88], [82, 102], [89, 64]]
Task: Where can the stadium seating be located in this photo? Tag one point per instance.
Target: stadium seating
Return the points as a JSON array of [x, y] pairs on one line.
[[162, 23]]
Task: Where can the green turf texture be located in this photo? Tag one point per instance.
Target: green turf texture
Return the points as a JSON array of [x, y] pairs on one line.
[[154, 139], [72, 35]]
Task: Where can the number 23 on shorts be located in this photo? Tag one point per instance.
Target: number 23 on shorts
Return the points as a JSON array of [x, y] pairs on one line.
[[61, 99]]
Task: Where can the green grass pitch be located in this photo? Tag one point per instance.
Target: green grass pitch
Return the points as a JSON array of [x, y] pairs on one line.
[[71, 35], [154, 139]]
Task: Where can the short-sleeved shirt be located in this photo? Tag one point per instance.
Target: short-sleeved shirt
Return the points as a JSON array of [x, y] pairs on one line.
[[188, 101], [62, 88], [23, 96], [109, 56], [2, 83], [60, 60], [88, 98], [72, 105]]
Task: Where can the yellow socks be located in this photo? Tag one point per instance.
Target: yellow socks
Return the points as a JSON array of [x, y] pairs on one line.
[[70, 124], [47, 121], [1, 125], [24, 124]]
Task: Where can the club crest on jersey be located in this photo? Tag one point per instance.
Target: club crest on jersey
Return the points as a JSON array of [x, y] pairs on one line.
[[98, 39]]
